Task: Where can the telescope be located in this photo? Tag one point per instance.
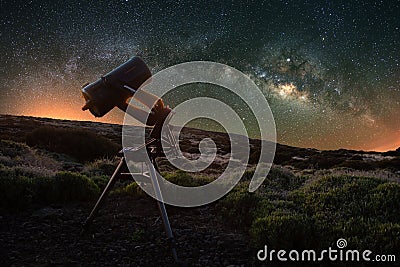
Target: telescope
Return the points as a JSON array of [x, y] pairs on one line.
[[116, 87], [114, 90]]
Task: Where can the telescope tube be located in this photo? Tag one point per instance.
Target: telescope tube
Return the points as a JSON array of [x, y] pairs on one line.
[[116, 87]]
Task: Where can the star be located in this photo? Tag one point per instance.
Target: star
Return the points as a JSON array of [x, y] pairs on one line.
[[330, 65]]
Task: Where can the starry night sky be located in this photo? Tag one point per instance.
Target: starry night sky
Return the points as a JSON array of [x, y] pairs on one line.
[[329, 69]]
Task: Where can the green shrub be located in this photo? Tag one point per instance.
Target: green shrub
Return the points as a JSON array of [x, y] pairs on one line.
[[367, 233], [280, 179], [46, 191], [80, 144], [248, 174], [183, 178], [282, 229], [133, 189], [30, 171], [100, 180], [239, 205], [385, 202], [18, 154], [16, 192], [386, 238], [351, 207], [266, 207], [100, 167], [20, 188], [63, 187], [13, 149], [337, 198], [73, 186]]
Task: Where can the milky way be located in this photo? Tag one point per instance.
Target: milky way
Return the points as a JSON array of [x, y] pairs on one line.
[[329, 69]]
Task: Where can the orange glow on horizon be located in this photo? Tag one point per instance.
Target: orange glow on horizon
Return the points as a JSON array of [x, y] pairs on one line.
[[387, 146], [68, 112], [73, 111]]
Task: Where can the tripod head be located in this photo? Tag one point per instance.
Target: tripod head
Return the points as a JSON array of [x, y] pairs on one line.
[[116, 87]]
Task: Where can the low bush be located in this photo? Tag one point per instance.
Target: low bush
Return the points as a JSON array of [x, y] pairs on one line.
[[266, 207], [19, 189], [100, 167], [18, 154], [100, 180], [13, 149], [385, 202], [283, 230], [80, 144], [254, 157], [69, 186], [239, 205], [351, 207], [133, 189], [385, 238], [16, 191], [183, 178], [280, 179], [337, 197]]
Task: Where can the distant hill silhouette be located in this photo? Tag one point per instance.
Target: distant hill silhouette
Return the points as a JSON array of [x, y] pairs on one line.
[[21, 128]]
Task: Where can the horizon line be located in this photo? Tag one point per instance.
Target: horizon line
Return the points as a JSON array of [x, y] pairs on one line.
[[119, 124]]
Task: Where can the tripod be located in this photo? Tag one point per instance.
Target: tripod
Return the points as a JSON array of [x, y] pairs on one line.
[[152, 147]]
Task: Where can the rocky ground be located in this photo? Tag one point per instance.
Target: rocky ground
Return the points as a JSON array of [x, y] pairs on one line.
[[127, 232]]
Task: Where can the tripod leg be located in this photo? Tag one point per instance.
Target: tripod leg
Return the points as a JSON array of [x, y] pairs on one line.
[[172, 141], [103, 196], [163, 211]]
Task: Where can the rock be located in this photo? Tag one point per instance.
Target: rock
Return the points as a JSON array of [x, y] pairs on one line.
[[47, 212]]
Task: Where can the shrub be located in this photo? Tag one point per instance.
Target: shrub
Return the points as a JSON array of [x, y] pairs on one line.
[[248, 174], [100, 167], [386, 238], [335, 199], [13, 149], [18, 186], [80, 144], [280, 179], [16, 192], [385, 202], [351, 207], [73, 186], [254, 157], [368, 233], [283, 230], [19, 189], [133, 189], [100, 180], [357, 164], [267, 207], [18, 154], [239, 205], [182, 178], [30, 172]]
